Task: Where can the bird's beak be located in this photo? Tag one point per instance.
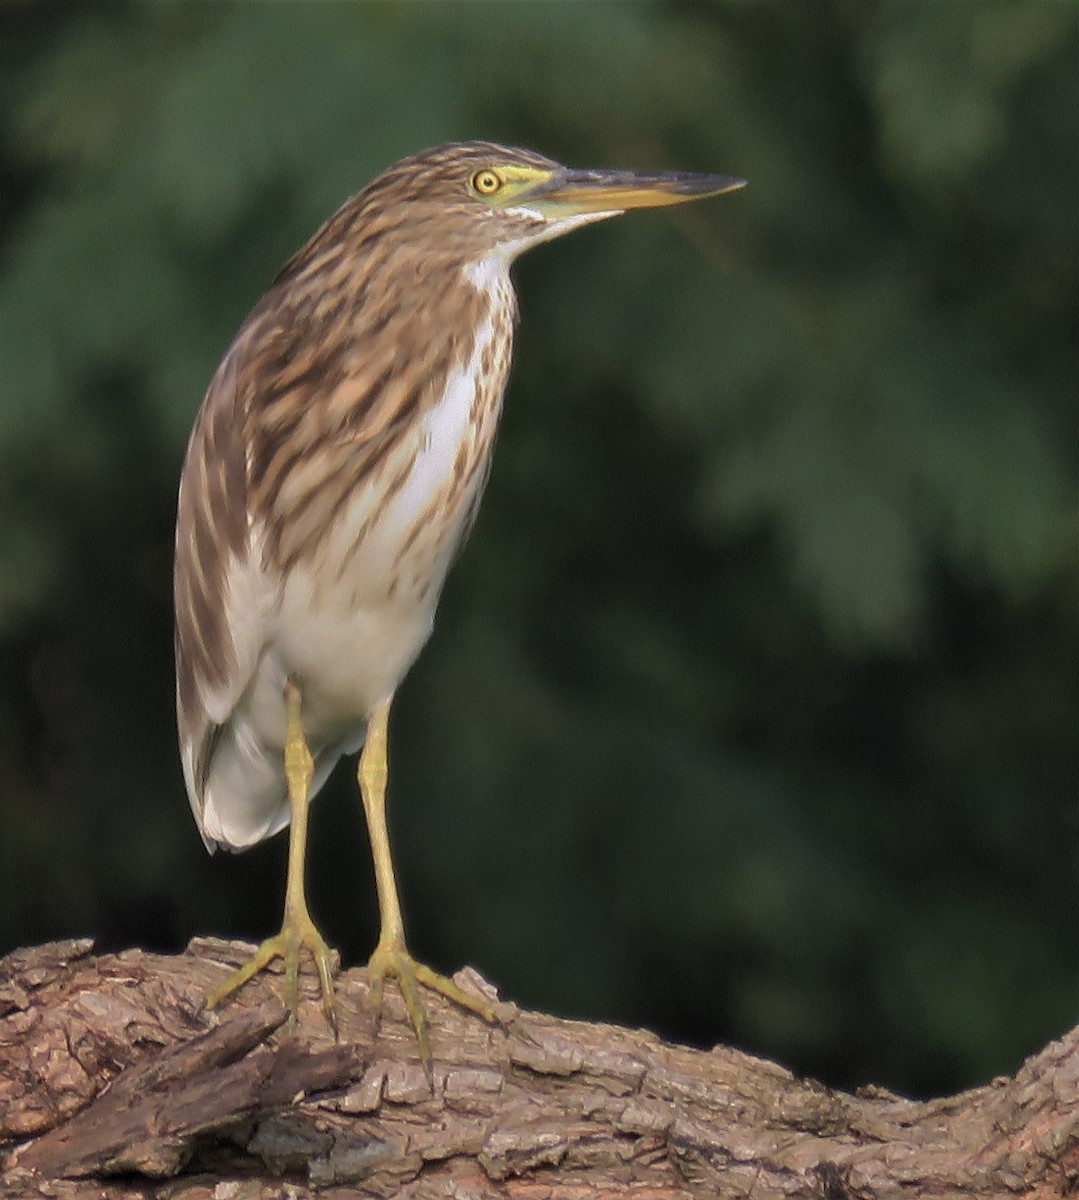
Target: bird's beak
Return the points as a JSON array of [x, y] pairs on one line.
[[570, 193]]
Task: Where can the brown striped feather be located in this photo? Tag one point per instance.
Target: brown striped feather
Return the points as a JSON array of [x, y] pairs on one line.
[[310, 433]]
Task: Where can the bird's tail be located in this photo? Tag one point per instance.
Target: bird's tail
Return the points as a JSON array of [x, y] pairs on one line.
[[245, 796]]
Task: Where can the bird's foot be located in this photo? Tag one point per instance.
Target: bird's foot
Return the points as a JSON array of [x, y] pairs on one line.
[[297, 931], [391, 958]]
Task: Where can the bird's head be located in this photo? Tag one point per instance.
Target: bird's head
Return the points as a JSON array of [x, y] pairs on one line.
[[481, 199]]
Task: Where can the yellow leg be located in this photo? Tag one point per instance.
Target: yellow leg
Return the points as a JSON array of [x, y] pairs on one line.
[[297, 929], [391, 956]]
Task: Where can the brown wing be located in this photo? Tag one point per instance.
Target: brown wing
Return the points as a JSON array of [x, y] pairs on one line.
[[213, 665]]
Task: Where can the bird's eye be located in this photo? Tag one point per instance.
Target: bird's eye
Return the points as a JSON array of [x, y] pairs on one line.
[[486, 182]]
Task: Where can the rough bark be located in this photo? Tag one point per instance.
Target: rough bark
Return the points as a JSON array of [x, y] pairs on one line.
[[114, 1084]]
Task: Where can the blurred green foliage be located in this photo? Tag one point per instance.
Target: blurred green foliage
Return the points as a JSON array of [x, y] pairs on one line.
[[751, 713]]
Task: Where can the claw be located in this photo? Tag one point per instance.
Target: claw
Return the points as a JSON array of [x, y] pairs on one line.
[[395, 960], [298, 931]]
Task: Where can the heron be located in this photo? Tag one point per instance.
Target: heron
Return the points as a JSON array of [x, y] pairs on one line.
[[333, 472]]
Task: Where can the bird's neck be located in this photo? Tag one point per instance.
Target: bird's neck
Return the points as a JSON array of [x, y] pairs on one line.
[[490, 276]]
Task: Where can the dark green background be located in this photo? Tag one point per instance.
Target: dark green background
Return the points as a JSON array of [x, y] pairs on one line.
[[751, 711]]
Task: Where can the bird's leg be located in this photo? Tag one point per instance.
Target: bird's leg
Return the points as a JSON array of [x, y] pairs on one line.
[[297, 929], [391, 956]]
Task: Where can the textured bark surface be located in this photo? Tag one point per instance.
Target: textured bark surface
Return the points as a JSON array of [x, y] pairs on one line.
[[114, 1084]]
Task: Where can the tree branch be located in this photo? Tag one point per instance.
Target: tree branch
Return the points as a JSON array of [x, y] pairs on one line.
[[109, 1072]]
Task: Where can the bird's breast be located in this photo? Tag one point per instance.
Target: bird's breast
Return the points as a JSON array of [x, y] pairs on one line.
[[395, 537], [354, 615]]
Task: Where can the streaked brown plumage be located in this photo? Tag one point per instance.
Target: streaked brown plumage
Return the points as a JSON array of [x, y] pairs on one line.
[[334, 470]]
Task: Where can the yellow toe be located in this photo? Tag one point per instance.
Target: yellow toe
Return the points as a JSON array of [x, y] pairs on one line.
[[298, 932], [393, 959]]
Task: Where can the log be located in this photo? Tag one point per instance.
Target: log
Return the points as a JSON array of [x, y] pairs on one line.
[[115, 1084]]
